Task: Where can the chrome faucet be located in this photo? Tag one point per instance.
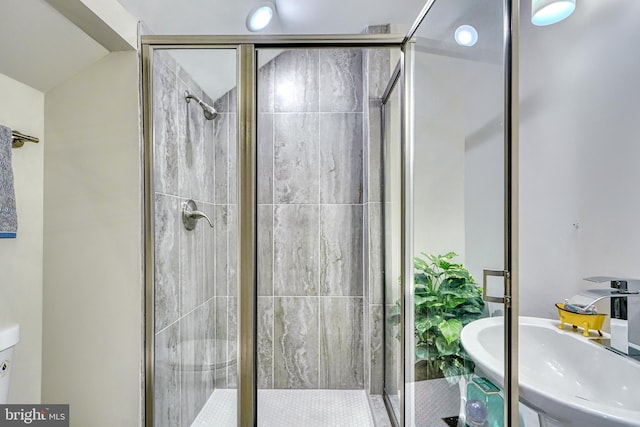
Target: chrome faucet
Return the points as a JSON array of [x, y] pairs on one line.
[[625, 313]]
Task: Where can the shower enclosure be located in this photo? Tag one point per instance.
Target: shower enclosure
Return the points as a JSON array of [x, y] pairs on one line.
[[281, 203]]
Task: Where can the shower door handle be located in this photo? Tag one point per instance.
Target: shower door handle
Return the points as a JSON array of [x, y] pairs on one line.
[[493, 273]]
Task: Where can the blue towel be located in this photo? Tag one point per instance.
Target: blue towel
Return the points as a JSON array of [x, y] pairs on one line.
[[8, 216]]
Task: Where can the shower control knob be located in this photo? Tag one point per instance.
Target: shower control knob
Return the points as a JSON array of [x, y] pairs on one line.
[[191, 215]]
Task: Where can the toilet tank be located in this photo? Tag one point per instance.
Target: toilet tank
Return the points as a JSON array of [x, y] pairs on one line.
[[9, 337]]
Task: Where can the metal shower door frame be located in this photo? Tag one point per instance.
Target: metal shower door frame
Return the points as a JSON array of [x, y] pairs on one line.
[[395, 81], [511, 128], [246, 48]]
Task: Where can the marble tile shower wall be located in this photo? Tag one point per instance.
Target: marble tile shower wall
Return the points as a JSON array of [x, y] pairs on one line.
[[195, 305], [310, 218]]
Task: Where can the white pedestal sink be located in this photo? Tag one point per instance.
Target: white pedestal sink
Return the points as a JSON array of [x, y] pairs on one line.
[[569, 380]]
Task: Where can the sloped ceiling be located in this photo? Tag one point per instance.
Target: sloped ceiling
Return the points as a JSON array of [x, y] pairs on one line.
[[41, 48]]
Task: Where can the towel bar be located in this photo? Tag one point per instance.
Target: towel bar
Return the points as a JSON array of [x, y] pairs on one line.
[[18, 139]]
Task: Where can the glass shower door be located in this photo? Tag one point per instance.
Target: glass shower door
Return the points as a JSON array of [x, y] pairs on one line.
[[460, 242], [192, 195], [313, 296], [317, 226], [392, 154]]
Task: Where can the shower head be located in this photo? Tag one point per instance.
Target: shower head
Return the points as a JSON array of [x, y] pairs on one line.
[[210, 113]]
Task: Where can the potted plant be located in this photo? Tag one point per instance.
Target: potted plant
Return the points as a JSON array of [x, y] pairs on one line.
[[446, 299]]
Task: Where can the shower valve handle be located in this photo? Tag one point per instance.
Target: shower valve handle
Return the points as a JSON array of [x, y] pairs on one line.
[[191, 214]]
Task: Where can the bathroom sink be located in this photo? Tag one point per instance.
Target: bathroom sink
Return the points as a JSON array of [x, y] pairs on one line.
[[568, 379]]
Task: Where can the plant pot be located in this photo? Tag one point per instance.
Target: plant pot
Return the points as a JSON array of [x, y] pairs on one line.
[[435, 400]]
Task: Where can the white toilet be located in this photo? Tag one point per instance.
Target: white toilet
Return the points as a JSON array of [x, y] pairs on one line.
[[9, 337]]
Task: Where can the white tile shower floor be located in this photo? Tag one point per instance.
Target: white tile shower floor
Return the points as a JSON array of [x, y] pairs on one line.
[[291, 408]]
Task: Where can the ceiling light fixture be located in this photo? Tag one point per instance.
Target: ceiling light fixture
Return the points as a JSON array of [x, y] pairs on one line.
[[548, 12], [260, 16], [466, 35]]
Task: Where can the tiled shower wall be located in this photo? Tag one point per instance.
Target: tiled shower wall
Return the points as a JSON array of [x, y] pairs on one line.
[[195, 303], [320, 226], [310, 220]]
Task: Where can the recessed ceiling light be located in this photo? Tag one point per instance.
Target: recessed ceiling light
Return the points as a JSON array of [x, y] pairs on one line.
[[466, 35], [260, 16], [547, 12]]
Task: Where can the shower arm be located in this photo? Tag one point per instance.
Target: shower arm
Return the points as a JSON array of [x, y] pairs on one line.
[[209, 112], [188, 97]]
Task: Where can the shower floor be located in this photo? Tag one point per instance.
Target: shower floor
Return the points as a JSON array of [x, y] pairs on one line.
[[291, 408]]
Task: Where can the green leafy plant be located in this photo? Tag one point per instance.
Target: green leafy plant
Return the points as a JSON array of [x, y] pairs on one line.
[[446, 299]]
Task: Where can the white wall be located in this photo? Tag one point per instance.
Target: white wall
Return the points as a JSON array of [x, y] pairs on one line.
[[458, 172], [439, 155], [484, 170], [92, 245], [579, 152], [22, 108]]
